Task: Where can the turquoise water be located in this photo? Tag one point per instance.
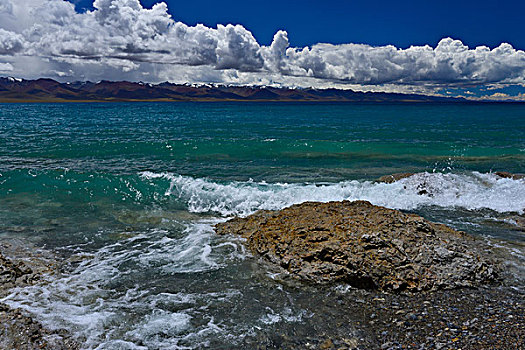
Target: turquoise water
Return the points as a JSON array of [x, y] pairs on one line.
[[127, 193], [284, 141]]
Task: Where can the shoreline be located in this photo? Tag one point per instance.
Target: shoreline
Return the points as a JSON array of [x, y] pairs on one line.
[[467, 318], [349, 318], [21, 267]]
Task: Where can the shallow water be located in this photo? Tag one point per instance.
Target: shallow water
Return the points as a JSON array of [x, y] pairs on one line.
[[127, 194]]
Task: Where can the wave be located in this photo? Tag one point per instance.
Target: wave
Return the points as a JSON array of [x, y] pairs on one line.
[[124, 281], [474, 191]]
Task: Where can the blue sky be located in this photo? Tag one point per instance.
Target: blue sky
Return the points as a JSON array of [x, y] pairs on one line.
[[473, 49], [378, 22]]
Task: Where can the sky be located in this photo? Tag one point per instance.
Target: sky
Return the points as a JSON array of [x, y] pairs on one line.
[[460, 48], [379, 22]]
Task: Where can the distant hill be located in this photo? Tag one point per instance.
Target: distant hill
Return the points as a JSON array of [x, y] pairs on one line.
[[48, 90]]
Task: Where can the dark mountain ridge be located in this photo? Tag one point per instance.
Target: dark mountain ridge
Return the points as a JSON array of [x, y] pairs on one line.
[[48, 90]]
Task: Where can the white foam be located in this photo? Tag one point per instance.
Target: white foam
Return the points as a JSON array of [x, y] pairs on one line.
[[286, 314], [468, 191], [100, 317], [187, 255], [159, 325]]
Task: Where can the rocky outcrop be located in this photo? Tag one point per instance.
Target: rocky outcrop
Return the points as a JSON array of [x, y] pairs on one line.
[[12, 274], [394, 177], [507, 175], [19, 330], [365, 246]]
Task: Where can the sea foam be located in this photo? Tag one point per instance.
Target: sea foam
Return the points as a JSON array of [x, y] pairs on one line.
[[109, 301], [472, 191]]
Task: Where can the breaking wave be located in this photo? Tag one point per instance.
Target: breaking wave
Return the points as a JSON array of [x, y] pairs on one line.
[[468, 191]]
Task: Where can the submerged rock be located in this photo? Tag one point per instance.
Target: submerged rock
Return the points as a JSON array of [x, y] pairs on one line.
[[20, 331], [366, 246], [518, 221]]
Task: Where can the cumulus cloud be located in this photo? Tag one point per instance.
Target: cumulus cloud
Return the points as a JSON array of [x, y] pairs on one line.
[[121, 38], [10, 43], [450, 62], [500, 96]]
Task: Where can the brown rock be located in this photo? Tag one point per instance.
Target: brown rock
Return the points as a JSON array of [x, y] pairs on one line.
[[394, 177], [327, 344], [11, 273], [365, 246], [20, 331], [508, 175]]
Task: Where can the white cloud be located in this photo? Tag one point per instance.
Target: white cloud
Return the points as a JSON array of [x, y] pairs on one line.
[[121, 39], [10, 43], [6, 67], [6, 7], [238, 49], [450, 62], [500, 96]]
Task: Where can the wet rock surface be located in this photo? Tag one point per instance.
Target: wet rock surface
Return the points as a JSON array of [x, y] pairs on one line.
[[19, 330], [507, 175], [10, 273], [485, 318], [517, 221], [366, 246], [394, 177]]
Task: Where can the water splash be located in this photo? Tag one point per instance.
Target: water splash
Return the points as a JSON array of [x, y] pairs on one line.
[[473, 191]]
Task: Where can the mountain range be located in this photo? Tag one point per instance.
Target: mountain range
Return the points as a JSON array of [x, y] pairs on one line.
[[48, 90]]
